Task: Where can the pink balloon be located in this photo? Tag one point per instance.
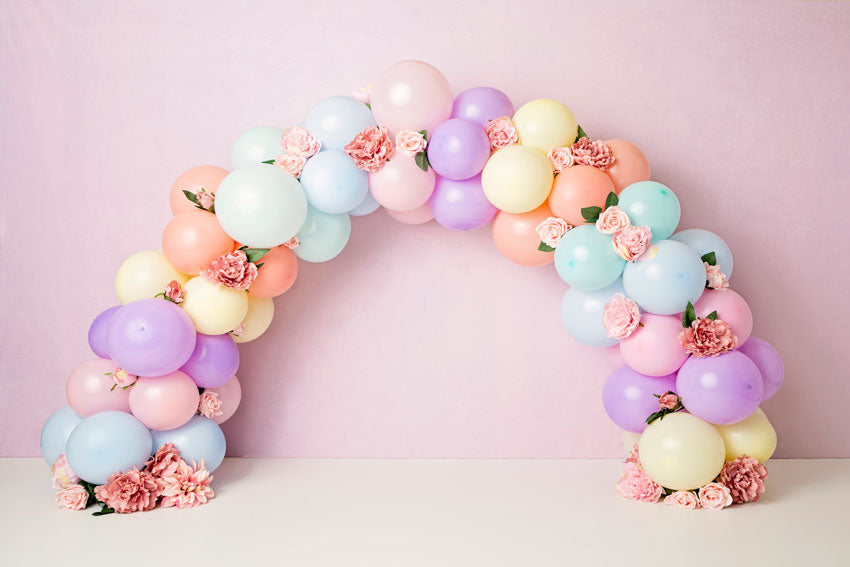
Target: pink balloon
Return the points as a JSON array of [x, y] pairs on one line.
[[419, 215], [164, 402], [654, 349], [229, 395], [614, 356], [730, 307], [400, 185], [89, 389], [411, 95]]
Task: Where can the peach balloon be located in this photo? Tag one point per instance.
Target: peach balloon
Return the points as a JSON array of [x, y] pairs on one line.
[[89, 388], [654, 349], [192, 240], [164, 402], [630, 165], [419, 215], [578, 187], [230, 394], [730, 307], [277, 273], [400, 185], [516, 238], [205, 177]]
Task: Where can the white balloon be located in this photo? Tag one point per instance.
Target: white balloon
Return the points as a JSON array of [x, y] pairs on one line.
[[256, 146]]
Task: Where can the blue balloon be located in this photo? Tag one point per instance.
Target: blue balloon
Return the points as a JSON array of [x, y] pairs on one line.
[[256, 146], [666, 278], [323, 236], [108, 442], [199, 439], [367, 206], [332, 183], [55, 433], [337, 119], [703, 242], [581, 312], [585, 259], [649, 203]]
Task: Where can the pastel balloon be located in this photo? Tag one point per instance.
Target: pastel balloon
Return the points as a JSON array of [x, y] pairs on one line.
[[461, 205], [331, 181], [581, 312], [323, 236], [419, 215], [629, 397], [400, 185], [545, 124], [97, 331], [458, 149], [614, 356], [213, 309], [730, 307], [704, 241], [192, 240], [91, 389], [481, 105], [411, 95], [150, 337], [145, 274], [630, 165], [206, 177], [200, 439], [578, 187], [754, 437], [720, 389], [630, 439], [681, 451], [515, 235], [517, 179], [649, 203], [229, 394], [164, 402], [654, 348], [585, 259], [214, 361], [277, 273], [105, 443], [255, 146], [337, 120], [666, 278], [257, 319], [768, 361], [55, 432], [367, 206], [260, 206]]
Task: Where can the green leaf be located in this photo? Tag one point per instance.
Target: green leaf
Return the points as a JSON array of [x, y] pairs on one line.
[[104, 510], [545, 247], [369, 105], [255, 254], [710, 257], [611, 200], [591, 214], [212, 208], [192, 197], [424, 134], [260, 265], [268, 161], [712, 316], [656, 415], [689, 315], [421, 160], [581, 133]]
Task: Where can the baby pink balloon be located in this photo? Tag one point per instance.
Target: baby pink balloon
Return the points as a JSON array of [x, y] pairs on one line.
[[164, 402], [229, 395], [411, 95], [730, 307], [400, 185], [419, 215], [654, 349], [89, 389]]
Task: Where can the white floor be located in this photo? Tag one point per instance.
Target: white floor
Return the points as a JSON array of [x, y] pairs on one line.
[[406, 513]]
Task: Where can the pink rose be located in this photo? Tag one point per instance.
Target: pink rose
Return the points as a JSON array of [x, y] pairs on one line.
[[363, 94], [631, 242], [706, 337], [130, 491], [292, 243], [552, 230], [634, 484], [174, 291], [668, 401], [371, 148], [684, 499], [744, 477], [502, 133], [594, 153], [612, 219], [61, 473], [299, 141], [239, 330], [715, 279], [72, 497], [205, 198], [409, 143], [714, 496], [209, 404], [291, 163], [232, 270], [123, 379], [187, 487], [560, 158], [620, 316]]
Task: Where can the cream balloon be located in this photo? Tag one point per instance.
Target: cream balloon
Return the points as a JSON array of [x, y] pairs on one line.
[[681, 451], [545, 124], [214, 309], [630, 439], [517, 179], [145, 274], [754, 437], [257, 320]]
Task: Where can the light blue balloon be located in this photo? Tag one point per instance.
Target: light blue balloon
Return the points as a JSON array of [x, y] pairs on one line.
[[55, 433], [666, 278], [704, 241], [649, 203], [256, 146], [367, 206], [323, 236], [581, 312], [332, 183], [200, 438], [337, 119], [107, 442], [585, 259]]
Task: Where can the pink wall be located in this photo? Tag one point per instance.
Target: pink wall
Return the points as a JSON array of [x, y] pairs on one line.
[[419, 341]]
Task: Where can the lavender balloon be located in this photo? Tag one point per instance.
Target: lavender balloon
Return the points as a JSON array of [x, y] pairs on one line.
[[768, 361], [150, 337], [482, 104], [458, 149], [214, 361], [628, 397], [720, 389], [461, 205], [97, 332]]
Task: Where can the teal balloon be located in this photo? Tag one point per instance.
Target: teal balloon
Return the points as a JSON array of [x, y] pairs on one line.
[[256, 146], [55, 433], [649, 203], [581, 312], [323, 236], [337, 119], [332, 183], [107, 442], [199, 439], [367, 206], [666, 278], [703, 242], [585, 259]]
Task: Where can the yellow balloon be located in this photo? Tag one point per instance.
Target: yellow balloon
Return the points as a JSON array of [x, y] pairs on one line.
[[681, 451], [545, 124], [145, 274], [753, 437], [630, 439], [214, 309], [258, 319], [517, 179]]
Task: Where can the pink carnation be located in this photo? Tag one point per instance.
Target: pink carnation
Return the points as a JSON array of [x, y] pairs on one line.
[[634, 455], [363, 94], [61, 473], [371, 148], [502, 133], [560, 158], [232, 270], [612, 219], [409, 143], [292, 243], [552, 230], [290, 163], [164, 462], [714, 496], [634, 484], [684, 499], [715, 278], [744, 477], [209, 404], [631, 242], [668, 401], [706, 337], [187, 487], [298, 141], [72, 497], [592, 152], [620, 316], [205, 198], [175, 292], [130, 491]]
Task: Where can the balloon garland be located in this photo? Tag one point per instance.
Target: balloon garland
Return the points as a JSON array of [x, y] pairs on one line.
[[142, 425]]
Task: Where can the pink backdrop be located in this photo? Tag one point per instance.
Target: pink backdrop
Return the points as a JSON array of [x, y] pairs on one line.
[[420, 341]]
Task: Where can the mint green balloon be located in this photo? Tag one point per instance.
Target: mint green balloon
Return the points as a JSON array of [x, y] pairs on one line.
[[256, 146], [649, 203], [585, 259], [323, 236]]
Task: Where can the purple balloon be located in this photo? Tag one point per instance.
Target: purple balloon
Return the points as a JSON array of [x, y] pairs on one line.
[[214, 361], [97, 332], [461, 205], [150, 337], [768, 361], [628, 397], [482, 104], [720, 389], [458, 149]]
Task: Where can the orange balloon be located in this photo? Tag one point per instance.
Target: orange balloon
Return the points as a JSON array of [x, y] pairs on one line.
[[204, 176], [192, 240], [516, 236], [578, 187], [277, 273], [630, 165]]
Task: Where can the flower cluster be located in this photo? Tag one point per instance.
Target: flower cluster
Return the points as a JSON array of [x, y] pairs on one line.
[[583, 152], [551, 231], [715, 279], [209, 405], [173, 292], [620, 317], [705, 336], [371, 148], [501, 132], [630, 242], [635, 484], [299, 144], [292, 243], [232, 270]]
